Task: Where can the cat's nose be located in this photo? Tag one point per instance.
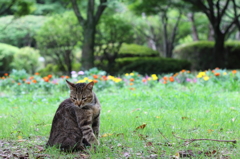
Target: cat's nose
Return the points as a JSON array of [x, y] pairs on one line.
[[79, 103]]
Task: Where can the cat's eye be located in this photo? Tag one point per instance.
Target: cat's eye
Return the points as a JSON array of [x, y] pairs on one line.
[[83, 98], [74, 98]]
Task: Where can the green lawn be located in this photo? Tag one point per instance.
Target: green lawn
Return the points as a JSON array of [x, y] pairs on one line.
[[190, 112]]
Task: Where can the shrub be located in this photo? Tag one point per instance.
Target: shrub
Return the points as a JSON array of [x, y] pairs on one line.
[[20, 32], [50, 69], [200, 54], [6, 57], [27, 58], [134, 50], [57, 70], [150, 65], [233, 54]]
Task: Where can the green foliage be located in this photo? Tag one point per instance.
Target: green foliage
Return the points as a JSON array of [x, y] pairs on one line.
[[200, 54], [134, 50], [6, 57], [233, 54], [50, 69], [58, 38], [150, 65], [16, 7], [27, 58], [20, 32]]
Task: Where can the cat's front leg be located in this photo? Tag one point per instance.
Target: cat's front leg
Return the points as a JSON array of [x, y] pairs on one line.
[[95, 126], [85, 125]]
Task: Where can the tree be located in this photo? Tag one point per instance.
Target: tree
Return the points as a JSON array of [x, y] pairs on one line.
[[217, 12], [57, 41], [162, 8], [15, 7], [89, 29], [112, 32]]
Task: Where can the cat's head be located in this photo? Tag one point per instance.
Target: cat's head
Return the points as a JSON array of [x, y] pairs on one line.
[[81, 93]]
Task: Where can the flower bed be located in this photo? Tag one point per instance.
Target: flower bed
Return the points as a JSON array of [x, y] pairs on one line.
[[22, 80]]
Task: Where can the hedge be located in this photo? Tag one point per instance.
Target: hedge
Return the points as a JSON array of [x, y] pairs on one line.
[[150, 65], [6, 57], [134, 50], [200, 54]]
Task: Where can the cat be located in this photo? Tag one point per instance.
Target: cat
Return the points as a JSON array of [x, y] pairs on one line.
[[77, 119]]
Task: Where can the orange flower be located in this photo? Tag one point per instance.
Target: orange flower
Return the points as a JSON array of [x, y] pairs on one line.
[[131, 84], [3, 77], [234, 71], [216, 68], [19, 83], [131, 79], [164, 82], [24, 79], [165, 78], [132, 89], [95, 81], [183, 71], [67, 77], [104, 78], [144, 80], [37, 73], [31, 77], [217, 74], [34, 81], [46, 79], [213, 71], [5, 74], [171, 79], [175, 74], [49, 76], [95, 76], [28, 82]]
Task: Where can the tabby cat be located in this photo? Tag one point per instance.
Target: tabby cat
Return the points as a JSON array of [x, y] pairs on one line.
[[76, 121]]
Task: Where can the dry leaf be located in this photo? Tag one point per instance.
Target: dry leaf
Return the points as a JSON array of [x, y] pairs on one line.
[[185, 118], [141, 126], [106, 135], [149, 144], [210, 130]]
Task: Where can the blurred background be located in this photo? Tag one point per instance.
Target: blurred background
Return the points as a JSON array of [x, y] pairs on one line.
[[118, 36]]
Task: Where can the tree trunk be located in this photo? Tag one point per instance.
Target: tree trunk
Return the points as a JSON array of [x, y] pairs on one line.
[[218, 52], [164, 20], [210, 33], [88, 47], [194, 28], [68, 62]]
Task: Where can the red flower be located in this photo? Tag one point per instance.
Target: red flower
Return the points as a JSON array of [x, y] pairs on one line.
[[95, 76], [217, 74], [131, 79]]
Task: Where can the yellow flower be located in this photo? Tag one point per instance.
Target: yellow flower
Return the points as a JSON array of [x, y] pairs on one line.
[[81, 81], [224, 73], [206, 78], [85, 79], [154, 76], [110, 77], [201, 74], [126, 74], [116, 80], [131, 74]]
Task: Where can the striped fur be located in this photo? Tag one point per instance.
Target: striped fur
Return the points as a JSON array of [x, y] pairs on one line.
[[77, 119]]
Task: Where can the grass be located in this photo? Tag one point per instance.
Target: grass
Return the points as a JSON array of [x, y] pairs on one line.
[[190, 111]]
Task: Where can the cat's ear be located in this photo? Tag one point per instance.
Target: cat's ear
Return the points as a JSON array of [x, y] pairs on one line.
[[70, 85], [89, 85]]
